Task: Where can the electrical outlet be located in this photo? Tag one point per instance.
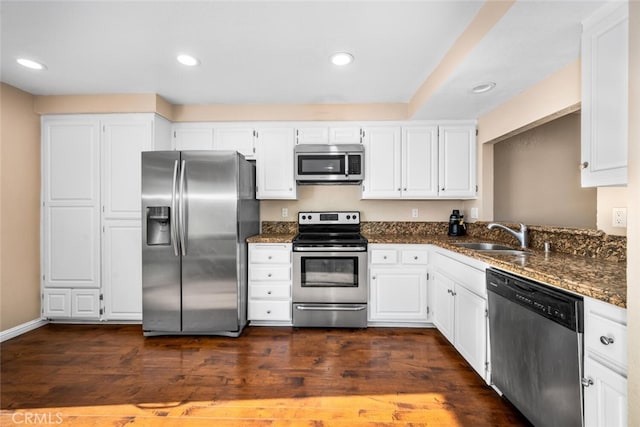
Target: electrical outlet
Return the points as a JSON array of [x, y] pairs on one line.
[[414, 213], [285, 212], [474, 213], [619, 217]]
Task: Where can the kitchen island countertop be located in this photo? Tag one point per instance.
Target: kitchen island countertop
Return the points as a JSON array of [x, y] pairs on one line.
[[599, 279]]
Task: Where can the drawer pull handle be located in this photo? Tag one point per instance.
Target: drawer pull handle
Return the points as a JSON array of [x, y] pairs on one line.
[[606, 340], [268, 311], [586, 382], [269, 275], [415, 257], [384, 257], [270, 257], [268, 292]]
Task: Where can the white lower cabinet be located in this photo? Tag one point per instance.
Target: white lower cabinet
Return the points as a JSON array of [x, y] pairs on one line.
[[82, 304], [122, 270], [270, 284], [605, 364], [460, 306], [398, 284]]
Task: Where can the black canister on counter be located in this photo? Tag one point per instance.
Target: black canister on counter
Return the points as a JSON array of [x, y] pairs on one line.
[[456, 224]]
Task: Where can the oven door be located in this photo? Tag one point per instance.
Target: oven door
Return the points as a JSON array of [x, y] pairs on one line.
[[330, 277]]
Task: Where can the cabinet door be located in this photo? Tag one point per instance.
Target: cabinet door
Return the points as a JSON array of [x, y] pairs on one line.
[[383, 164], [122, 144], [420, 162], [71, 193], [57, 303], [85, 303], [457, 161], [122, 270], [312, 135], [398, 294], [605, 400], [443, 306], [345, 135], [193, 138], [274, 164], [605, 95], [471, 328], [235, 139]]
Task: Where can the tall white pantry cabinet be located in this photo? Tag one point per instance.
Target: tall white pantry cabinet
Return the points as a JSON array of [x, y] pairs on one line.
[[91, 230]]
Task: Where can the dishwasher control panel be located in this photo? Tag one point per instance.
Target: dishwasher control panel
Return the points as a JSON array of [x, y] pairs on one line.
[[554, 304]]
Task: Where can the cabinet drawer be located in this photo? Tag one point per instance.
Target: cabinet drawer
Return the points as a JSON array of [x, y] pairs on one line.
[[269, 255], [269, 310], [276, 290], [472, 278], [415, 257], [384, 256], [606, 331], [269, 273]]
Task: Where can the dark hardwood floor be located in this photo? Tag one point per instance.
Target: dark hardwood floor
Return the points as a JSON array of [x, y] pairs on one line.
[[111, 375]]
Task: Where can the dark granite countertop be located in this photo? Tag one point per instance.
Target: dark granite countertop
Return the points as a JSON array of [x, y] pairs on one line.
[[596, 278]]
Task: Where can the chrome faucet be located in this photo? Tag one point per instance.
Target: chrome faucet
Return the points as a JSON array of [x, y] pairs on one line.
[[520, 235]]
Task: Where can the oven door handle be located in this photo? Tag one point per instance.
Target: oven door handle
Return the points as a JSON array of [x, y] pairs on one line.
[[331, 249], [308, 307]]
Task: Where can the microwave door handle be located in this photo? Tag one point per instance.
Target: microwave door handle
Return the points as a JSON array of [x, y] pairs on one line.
[[346, 164]]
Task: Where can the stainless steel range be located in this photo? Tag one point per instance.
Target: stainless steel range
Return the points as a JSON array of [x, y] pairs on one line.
[[330, 271]]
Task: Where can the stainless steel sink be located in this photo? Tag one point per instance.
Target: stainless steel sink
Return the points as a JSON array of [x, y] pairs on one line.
[[493, 248]]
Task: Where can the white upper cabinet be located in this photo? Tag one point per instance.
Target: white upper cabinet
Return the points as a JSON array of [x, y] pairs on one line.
[[605, 85], [193, 136], [383, 162], [311, 134], [71, 196], [240, 139], [345, 135], [420, 162], [124, 139], [274, 163], [457, 165]]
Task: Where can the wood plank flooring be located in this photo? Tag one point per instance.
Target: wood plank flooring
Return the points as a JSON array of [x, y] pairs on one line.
[[110, 375]]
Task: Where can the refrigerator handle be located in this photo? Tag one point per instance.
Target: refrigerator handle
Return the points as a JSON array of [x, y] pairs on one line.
[[173, 223], [182, 221]]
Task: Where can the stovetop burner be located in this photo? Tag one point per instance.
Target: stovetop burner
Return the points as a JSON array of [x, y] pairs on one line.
[[329, 230]]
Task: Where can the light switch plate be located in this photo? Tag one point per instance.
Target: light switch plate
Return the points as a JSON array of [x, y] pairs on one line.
[[474, 213], [619, 217], [285, 212], [414, 213]]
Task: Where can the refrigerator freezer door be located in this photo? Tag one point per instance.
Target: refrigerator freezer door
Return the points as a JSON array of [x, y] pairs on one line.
[[209, 266], [160, 265]]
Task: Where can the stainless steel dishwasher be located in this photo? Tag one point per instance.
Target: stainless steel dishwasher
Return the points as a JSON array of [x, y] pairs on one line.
[[536, 348]]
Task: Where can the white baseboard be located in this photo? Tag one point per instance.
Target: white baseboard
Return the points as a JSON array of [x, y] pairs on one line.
[[21, 329]]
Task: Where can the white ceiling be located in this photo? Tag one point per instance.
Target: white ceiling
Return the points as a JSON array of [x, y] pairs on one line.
[[277, 52]]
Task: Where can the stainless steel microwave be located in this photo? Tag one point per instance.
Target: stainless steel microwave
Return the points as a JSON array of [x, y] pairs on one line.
[[329, 164]]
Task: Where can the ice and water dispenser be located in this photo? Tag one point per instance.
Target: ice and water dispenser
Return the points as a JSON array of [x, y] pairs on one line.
[[158, 225]]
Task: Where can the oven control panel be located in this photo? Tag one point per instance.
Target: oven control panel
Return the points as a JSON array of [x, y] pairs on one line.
[[328, 218]]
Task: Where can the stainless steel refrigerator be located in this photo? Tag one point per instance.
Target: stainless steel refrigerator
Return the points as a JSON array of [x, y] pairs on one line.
[[198, 209]]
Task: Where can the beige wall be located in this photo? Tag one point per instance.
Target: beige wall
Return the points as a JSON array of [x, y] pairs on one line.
[[609, 198], [347, 197], [536, 180], [633, 229], [19, 208]]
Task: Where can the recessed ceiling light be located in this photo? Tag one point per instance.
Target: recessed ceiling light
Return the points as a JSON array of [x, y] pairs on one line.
[[342, 58], [484, 87], [29, 63], [188, 60]]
